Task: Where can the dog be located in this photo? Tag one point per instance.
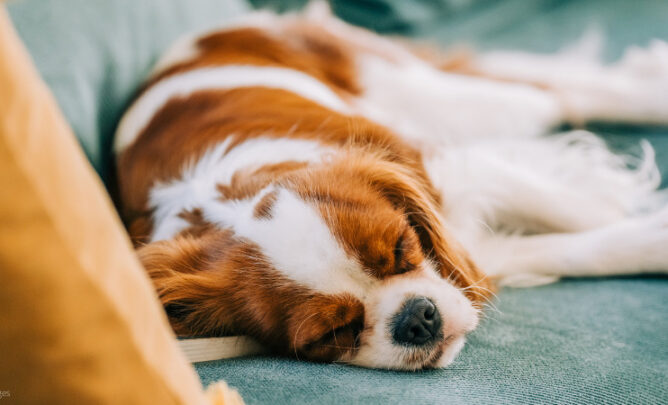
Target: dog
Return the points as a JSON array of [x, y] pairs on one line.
[[344, 197]]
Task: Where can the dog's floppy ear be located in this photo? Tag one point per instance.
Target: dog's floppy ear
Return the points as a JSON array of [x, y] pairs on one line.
[[180, 269], [413, 195]]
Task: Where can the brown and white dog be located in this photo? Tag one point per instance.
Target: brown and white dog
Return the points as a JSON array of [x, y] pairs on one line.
[[339, 196]]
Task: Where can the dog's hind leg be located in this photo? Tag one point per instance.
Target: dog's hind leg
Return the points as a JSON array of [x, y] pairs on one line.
[[636, 245], [633, 89]]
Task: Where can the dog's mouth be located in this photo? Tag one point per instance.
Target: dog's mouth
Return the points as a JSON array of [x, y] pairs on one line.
[[431, 357]]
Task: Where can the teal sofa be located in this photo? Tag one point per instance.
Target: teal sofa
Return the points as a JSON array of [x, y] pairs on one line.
[[574, 342]]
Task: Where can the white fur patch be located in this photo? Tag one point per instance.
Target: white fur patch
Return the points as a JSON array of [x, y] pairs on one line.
[[225, 77], [197, 185], [439, 108], [570, 183], [297, 242], [565, 183]]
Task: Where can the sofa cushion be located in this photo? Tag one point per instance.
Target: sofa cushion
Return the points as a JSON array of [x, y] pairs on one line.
[[93, 54]]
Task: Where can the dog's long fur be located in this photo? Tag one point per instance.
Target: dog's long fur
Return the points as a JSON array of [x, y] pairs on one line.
[[298, 180]]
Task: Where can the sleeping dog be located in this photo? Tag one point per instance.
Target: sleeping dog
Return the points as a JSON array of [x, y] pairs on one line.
[[340, 196]]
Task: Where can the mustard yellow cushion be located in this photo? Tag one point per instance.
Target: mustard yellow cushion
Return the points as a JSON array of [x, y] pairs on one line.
[[79, 320]]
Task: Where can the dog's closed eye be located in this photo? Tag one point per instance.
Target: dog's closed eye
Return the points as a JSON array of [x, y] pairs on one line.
[[403, 253]]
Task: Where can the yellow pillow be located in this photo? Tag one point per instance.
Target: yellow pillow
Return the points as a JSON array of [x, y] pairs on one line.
[[79, 319]]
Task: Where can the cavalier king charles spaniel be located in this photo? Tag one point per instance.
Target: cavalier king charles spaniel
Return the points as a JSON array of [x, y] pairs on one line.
[[340, 196]]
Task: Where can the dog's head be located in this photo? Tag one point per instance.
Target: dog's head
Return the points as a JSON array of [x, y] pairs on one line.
[[344, 262]]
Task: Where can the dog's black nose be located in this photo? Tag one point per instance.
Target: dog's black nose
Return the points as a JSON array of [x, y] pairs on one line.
[[417, 323]]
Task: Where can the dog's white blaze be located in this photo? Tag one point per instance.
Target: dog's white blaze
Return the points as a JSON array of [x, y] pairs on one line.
[[296, 241], [197, 187], [225, 77]]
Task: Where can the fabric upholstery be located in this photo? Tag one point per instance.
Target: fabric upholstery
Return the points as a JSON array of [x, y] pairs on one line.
[[80, 321], [93, 54]]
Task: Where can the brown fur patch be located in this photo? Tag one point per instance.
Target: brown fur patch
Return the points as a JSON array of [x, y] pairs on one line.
[[198, 225], [314, 52], [247, 183], [216, 284], [262, 209], [139, 226]]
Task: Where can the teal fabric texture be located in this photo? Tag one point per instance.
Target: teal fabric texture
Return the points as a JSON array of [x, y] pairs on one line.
[[93, 54]]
